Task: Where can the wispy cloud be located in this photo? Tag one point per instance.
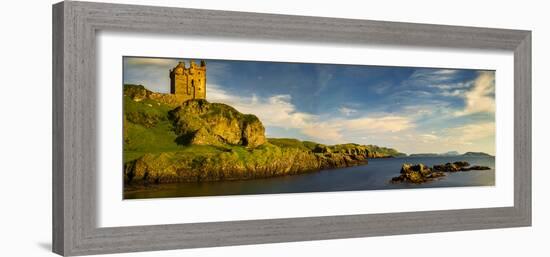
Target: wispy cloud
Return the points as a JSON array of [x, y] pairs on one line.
[[453, 93], [434, 75], [346, 110], [451, 86], [477, 93], [430, 110], [324, 75], [481, 97], [429, 137]]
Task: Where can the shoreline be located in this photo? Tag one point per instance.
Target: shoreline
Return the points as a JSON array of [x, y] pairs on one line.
[[149, 187], [374, 176]]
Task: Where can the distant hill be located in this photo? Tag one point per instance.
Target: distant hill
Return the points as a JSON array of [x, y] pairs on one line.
[[481, 154], [166, 141], [451, 153], [424, 155]]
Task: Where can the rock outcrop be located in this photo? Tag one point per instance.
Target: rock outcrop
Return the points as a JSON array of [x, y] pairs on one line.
[[450, 167], [458, 166], [475, 167], [420, 173], [416, 173], [203, 123]]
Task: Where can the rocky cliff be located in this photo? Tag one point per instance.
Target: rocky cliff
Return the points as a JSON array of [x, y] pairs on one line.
[[213, 163], [203, 123]]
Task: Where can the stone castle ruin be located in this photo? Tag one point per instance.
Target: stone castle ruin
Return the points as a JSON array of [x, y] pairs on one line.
[[188, 83]]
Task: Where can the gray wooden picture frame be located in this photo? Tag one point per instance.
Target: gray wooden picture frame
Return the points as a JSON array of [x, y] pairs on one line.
[[75, 25]]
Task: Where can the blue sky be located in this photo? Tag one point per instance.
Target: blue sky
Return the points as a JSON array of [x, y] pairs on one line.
[[414, 110]]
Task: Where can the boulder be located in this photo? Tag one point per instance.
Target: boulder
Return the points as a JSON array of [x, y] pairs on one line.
[[320, 148], [475, 167], [253, 134], [447, 167], [458, 166], [416, 173], [204, 137], [461, 164]]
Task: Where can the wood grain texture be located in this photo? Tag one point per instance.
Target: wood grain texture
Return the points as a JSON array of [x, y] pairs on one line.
[[74, 126], [58, 191], [522, 128]]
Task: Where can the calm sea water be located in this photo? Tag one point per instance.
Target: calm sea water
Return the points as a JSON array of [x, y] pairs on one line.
[[374, 176]]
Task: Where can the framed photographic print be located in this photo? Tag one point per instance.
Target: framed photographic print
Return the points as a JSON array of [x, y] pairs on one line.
[[182, 128]]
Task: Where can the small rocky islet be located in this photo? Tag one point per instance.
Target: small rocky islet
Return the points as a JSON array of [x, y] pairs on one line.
[[420, 173]]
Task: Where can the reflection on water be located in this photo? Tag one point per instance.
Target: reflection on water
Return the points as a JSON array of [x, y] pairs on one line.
[[373, 176]]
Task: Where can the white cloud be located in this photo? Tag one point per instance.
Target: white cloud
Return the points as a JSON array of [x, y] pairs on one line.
[[452, 86], [433, 110], [419, 110], [479, 98], [454, 93], [433, 75], [346, 110], [445, 72], [429, 137], [442, 81]]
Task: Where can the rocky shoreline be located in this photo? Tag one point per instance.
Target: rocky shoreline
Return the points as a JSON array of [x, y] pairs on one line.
[[228, 165], [420, 173]]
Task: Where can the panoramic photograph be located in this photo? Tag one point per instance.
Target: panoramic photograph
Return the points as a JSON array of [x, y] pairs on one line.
[[206, 127]]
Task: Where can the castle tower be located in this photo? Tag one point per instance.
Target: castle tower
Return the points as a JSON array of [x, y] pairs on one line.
[[188, 83]]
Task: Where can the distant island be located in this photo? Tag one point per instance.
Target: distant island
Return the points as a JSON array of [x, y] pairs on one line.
[[452, 153], [167, 141]]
